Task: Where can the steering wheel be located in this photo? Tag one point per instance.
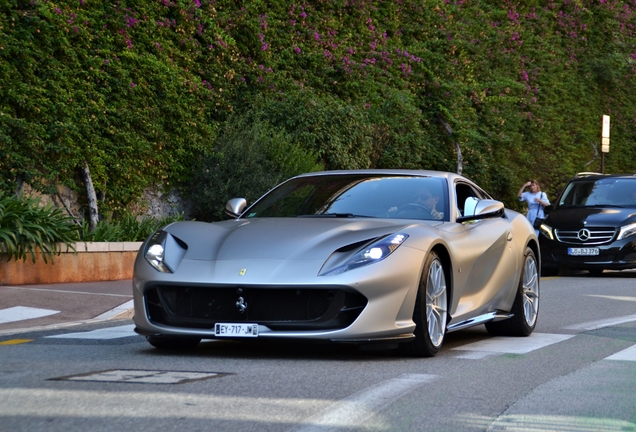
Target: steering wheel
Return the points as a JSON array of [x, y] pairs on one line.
[[414, 210]]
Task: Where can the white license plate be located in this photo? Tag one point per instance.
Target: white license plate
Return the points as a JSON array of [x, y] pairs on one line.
[[582, 251], [235, 330]]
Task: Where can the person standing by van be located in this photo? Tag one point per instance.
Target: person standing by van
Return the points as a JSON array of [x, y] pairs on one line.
[[536, 200]]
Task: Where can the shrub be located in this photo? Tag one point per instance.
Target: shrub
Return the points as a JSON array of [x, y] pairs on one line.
[[250, 158], [26, 227], [129, 228]]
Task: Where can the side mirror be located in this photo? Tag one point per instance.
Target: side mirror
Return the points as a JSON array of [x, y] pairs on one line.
[[235, 207], [482, 209]]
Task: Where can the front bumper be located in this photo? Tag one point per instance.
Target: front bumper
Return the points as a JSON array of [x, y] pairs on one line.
[[368, 304], [616, 255]]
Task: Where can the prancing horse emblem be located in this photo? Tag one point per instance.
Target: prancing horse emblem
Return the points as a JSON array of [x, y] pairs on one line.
[[240, 303]]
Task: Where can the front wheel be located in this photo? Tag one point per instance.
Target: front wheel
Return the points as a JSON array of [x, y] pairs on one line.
[[525, 308], [431, 310]]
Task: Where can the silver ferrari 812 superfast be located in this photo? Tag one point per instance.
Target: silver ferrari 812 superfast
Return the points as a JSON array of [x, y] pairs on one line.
[[395, 258]]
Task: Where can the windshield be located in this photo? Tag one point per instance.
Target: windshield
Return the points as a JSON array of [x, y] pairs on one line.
[[605, 192], [356, 195]]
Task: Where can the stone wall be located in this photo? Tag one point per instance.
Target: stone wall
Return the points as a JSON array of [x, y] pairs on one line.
[[92, 262], [153, 203]]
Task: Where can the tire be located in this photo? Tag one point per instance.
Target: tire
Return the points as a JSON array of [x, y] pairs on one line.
[[172, 343], [430, 313], [525, 308]]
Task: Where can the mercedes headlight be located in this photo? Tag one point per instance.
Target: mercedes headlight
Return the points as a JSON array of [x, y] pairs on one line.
[[626, 231], [370, 254], [546, 230]]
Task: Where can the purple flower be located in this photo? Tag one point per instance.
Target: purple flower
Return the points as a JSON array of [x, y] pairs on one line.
[[132, 84], [297, 50], [264, 47]]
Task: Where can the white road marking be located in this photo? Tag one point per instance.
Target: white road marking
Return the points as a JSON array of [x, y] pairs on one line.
[[628, 354], [594, 325], [355, 409], [514, 345], [620, 298], [67, 292], [113, 403], [116, 311], [20, 313], [475, 355], [105, 333], [142, 376]]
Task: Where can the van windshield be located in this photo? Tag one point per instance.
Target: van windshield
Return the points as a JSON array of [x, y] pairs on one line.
[[606, 192]]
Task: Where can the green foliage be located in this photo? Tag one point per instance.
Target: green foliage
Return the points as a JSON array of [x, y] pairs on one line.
[[250, 158], [26, 228], [128, 228], [145, 91]]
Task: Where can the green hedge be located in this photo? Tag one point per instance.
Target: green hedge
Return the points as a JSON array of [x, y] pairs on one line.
[[146, 91], [28, 228]]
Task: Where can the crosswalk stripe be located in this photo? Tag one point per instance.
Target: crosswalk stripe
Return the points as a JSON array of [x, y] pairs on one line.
[[353, 410], [595, 325], [628, 354], [511, 345], [104, 333], [20, 313]]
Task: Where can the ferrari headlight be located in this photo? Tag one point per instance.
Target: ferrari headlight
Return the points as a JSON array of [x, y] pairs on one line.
[[546, 231], [626, 231], [155, 251], [370, 254]]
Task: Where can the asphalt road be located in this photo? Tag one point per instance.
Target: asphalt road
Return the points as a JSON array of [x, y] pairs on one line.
[[577, 372], [24, 307]]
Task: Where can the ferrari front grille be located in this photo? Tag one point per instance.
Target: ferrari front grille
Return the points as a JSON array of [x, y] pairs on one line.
[[278, 308]]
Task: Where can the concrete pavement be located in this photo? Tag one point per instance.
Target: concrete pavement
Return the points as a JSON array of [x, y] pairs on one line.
[[39, 307]]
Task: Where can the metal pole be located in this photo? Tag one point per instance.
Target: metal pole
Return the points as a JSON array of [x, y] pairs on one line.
[[602, 163]]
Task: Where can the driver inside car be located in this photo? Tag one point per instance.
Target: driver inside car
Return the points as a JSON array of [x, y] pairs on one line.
[[422, 205]]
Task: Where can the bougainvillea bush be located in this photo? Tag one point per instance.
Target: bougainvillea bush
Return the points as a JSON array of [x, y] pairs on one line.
[[500, 90]]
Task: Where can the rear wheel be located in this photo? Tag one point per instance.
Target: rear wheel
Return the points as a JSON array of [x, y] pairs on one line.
[[525, 308], [431, 310], [172, 343]]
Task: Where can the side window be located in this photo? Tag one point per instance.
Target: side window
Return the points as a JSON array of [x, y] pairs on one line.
[[463, 191]]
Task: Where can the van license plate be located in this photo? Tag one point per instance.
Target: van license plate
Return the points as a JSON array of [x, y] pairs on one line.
[[583, 251]]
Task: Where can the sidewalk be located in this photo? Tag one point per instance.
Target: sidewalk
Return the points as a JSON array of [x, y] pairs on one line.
[[39, 307]]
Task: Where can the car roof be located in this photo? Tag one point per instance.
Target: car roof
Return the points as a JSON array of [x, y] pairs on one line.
[[428, 173], [596, 176]]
